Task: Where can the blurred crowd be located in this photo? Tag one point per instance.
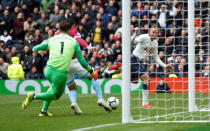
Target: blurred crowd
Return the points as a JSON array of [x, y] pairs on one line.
[[26, 23]]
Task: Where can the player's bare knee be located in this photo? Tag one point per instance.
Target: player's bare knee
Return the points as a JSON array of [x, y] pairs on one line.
[[73, 86], [89, 77]]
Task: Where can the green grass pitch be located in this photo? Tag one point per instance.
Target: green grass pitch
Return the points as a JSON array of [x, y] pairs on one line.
[[13, 118]]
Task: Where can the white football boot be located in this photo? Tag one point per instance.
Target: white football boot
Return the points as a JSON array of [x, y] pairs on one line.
[[103, 104], [76, 109]]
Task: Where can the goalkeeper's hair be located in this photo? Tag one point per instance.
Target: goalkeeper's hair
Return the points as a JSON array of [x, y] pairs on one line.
[[65, 25]]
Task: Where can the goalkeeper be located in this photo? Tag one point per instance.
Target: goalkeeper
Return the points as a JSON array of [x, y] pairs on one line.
[[147, 45], [76, 68], [61, 49]]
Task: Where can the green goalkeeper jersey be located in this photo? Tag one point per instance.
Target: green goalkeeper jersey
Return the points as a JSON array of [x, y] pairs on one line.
[[61, 50]]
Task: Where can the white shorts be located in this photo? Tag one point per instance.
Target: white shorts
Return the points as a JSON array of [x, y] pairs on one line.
[[76, 68]]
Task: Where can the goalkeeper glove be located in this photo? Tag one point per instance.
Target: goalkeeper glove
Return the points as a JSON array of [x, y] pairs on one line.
[[93, 73]]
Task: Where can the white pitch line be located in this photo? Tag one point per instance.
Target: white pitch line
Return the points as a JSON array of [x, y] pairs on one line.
[[93, 127]]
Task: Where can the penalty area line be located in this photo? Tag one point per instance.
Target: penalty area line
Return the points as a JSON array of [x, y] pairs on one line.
[[93, 127]]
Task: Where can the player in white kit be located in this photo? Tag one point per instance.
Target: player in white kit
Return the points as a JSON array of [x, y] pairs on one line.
[[147, 45]]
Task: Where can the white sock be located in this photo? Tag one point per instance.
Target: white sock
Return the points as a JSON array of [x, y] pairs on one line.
[[145, 95]]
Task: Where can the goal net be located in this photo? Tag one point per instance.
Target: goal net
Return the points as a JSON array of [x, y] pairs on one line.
[[181, 95]]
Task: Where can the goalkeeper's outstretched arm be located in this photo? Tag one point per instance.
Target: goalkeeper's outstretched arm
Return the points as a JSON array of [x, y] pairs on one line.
[[43, 46], [83, 62]]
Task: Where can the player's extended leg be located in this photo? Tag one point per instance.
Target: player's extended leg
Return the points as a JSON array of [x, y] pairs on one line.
[[46, 104], [73, 87], [44, 112], [73, 98], [58, 80], [145, 91], [97, 88], [76, 68]]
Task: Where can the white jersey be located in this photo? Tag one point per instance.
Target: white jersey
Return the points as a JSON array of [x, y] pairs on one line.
[[145, 47]]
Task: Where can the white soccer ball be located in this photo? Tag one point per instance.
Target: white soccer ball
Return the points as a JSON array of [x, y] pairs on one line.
[[113, 102]]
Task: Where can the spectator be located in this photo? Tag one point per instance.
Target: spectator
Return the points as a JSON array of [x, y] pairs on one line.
[[34, 74], [3, 76], [29, 27], [111, 10], [180, 72], [89, 22], [93, 12], [15, 70], [55, 17], [154, 9], [24, 57], [119, 59], [42, 22], [67, 13], [8, 21], [115, 23], [106, 56], [201, 56], [45, 33], [7, 55], [102, 68], [18, 27], [152, 71], [2, 54], [8, 4], [37, 36], [74, 9], [48, 12], [117, 48], [109, 73], [61, 13], [30, 42], [106, 48], [30, 5], [34, 60], [97, 34], [15, 13], [35, 15], [173, 56], [93, 62], [14, 52], [206, 71], [198, 21], [153, 20], [134, 21], [25, 10], [163, 16], [63, 5], [109, 30], [5, 37], [112, 39], [3, 66], [118, 37], [184, 63], [50, 33], [163, 87]]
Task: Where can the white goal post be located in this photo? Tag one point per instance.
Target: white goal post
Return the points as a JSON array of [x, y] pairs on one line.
[[126, 71], [188, 105]]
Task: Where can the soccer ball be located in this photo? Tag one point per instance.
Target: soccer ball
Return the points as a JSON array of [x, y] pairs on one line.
[[113, 102]]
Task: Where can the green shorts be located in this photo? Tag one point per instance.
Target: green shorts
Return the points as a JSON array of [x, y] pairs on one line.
[[57, 78]]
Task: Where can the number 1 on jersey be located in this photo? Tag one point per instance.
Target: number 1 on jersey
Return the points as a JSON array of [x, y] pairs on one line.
[[62, 46]]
